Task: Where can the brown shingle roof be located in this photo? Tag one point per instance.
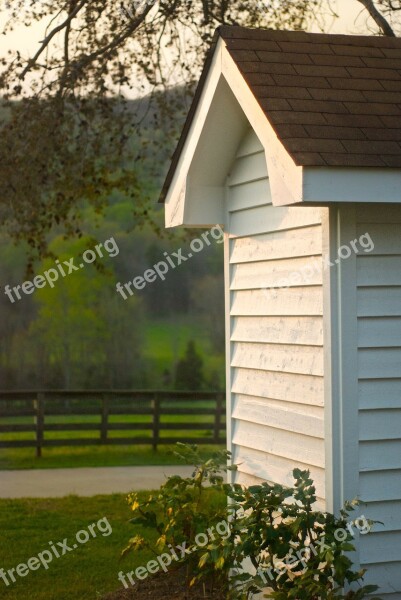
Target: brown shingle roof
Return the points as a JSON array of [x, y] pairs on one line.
[[332, 99]]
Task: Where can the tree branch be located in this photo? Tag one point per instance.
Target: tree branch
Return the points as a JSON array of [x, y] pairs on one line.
[[51, 35], [378, 18], [118, 40]]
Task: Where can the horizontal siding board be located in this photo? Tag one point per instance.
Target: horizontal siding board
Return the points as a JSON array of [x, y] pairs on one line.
[[285, 405], [380, 425], [275, 468], [302, 301], [385, 237], [306, 360], [380, 485], [387, 512], [380, 547], [300, 389], [277, 273], [250, 195], [379, 270], [379, 393], [379, 302], [277, 245], [248, 168], [388, 577], [293, 446], [268, 218], [379, 332], [379, 363], [257, 410], [249, 145], [380, 455], [279, 330]]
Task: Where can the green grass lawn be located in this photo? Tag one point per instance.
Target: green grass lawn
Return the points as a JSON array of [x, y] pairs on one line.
[[91, 456], [27, 526]]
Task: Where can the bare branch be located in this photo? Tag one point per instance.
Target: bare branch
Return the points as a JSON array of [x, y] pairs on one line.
[[118, 40], [377, 16], [51, 35]]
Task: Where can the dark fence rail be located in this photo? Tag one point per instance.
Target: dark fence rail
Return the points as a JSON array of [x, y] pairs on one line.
[[144, 417]]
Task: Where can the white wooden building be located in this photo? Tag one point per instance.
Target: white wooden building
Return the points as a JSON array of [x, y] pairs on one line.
[[293, 145]]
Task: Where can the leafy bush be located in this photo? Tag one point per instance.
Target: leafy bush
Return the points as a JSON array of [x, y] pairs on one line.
[[296, 552], [185, 508]]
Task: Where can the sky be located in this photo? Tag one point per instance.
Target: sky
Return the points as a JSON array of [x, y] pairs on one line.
[[352, 20]]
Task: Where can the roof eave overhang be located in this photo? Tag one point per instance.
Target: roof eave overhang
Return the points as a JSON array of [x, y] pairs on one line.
[[223, 107]]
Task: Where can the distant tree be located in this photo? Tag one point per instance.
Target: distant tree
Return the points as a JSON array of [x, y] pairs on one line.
[[189, 371], [207, 296]]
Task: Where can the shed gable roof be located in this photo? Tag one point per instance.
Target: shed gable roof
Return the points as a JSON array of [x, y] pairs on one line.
[[333, 100]]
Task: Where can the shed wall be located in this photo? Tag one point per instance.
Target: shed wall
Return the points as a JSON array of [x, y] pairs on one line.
[[378, 277], [274, 328]]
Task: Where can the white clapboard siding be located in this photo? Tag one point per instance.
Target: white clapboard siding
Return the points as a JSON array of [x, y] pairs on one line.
[[376, 363], [380, 485], [263, 219], [379, 301], [278, 441], [381, 547], [291, 301], [276, 273], [300, 410], [275, 336], [278, 330], [378, 270], [389, 513], [380, 424], [257, 194], [306, 360], [384, 238], [248, 169], [376, 455], [250, 144], [379, 393], [390, 575], [277, 245], [275, 468], [300, 389], [379, 332], [263, 412]]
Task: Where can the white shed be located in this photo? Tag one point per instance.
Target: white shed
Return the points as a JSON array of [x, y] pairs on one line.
[[293, 145]]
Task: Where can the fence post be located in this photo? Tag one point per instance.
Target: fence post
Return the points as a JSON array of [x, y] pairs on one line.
[[156, 420], [105, 419], [39, 406], [217, 418]]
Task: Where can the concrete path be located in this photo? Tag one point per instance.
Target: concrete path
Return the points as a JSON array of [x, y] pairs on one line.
[[55, 483]]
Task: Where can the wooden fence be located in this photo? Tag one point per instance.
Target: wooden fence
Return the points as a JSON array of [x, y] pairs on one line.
[[144, 417]]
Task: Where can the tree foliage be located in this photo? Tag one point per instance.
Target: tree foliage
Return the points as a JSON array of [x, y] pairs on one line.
[[66, 129], [67, 132]]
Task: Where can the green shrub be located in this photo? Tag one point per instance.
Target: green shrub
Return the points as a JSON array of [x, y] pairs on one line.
[[185, 508], [296, 552]]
